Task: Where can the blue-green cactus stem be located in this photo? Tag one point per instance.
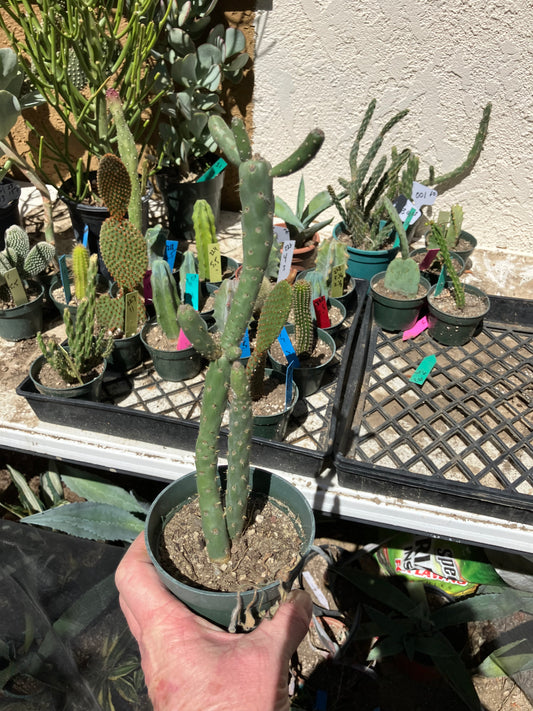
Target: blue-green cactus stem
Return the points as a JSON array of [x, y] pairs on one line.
[[195, 328], [239, 440], [165, 298], [214, 402], [204, 235], [305, 152], [242, 139]]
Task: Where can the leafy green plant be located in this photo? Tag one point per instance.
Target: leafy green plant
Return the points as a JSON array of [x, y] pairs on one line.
[[29, 262], [301, 222]]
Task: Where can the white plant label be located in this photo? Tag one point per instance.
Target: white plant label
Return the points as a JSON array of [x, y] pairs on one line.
[[285, 261], [282, 233], [405, 208], [422, 195]]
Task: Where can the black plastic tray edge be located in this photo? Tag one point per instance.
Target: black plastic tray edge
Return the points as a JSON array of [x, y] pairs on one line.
[[371, 478], [174, 432]]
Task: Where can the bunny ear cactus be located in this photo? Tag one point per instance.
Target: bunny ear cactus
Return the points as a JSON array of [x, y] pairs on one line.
[[18, 255], [402, 275], [257, 199]]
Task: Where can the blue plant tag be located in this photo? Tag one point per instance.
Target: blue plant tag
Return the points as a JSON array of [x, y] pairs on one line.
[[423, 370], [214, 170], [287, 348], [441, 281], [171, 249], [63, 273], [85, 241], [288, 382], [191, 290], [245, 345]]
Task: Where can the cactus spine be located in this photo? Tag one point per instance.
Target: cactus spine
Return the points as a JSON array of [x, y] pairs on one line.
[[437, 234], [304, 331], [257, 199]]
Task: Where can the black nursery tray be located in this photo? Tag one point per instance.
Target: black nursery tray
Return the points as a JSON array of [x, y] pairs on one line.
[[464, 439], [140, 406]]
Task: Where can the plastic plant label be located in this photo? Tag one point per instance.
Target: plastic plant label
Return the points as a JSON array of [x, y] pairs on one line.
[[245, 345], [337, 281], [213, 171], [317, 592], [183, 341], [192, 285], [415, 330], [147, 287], [171, 249], [287, 347], [423, 370], [63, 273], [130, 313], [288, 383], [285, 261], [85, 239], [8, 193], [428, 259], [14, 285], [403, 208], [441, 281], [282, 233], [321, 312], [215, 264], [422, 195]]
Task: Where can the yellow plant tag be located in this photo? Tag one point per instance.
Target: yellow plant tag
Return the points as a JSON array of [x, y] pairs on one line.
[[337, 281], [14, 284], [215, 265], [130, 315]]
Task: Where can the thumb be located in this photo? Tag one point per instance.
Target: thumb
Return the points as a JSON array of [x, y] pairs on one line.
[[291, 622]]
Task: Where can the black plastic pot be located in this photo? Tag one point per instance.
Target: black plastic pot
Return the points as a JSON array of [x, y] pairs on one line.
[[219, 606], [452, 330], [22, 322], [180, 197], [88, 391], [274, 426], [127, 353], [172, 365], [9, 213], [308, 379], [396, 314]]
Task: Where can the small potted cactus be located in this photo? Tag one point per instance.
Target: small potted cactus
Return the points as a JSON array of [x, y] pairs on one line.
[[400, 292], [21, 295], [459, 242], [456, 310], [229, 518], [76, 369]]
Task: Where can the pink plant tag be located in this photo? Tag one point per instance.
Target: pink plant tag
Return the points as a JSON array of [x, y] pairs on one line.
[[183, 342], [428, 259], [419, 326]]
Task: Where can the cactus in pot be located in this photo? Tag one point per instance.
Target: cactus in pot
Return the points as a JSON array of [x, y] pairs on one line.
[[223, 520], [439, 237], [403, 274], [28, 262]]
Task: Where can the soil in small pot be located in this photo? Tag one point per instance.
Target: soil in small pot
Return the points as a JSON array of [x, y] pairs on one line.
[[474, 305], [380, 288], [273, 400], [321, 354], [155, 338], [51, 379], [335, 315], [267, 550], [32, 293]]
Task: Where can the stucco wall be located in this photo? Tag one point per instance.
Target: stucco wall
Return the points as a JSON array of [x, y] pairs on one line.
[[319, 62]]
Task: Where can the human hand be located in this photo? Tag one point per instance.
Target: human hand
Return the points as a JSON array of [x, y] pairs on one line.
[[190, 664]]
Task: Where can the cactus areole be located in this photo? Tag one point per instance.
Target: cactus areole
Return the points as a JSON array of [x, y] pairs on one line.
[[224, 516]]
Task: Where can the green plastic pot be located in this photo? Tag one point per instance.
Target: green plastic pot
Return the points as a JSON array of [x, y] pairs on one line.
[[366, 263], [88, 391], [274, 427], [308, 379], [451, 330], [219, 606], [22, 322], [172, 365], [396, 314]]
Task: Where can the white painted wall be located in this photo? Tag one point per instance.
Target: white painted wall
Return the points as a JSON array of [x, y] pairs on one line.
[[319, 62]]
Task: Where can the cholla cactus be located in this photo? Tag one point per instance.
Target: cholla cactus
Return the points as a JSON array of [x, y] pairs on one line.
[[437, 234], [18, 255], [122, 245], [86, 349], [222, 522]]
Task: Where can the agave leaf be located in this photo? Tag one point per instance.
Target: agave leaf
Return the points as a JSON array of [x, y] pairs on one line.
[[99, 490]]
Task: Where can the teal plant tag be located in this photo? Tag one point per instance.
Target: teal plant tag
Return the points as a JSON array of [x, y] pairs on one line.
[[85, 240], [288, 383], [191, 290], [287, 348], [171, 249], [441, 281], [213, 171], [63, 273], [245, 345], [423, 370]]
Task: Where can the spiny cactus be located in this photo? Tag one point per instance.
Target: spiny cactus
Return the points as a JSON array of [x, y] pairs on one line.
[[257, 199], [402, 275], [80, 265], [331, 254], [437, 234], [18, 255], [304, 330], [204, 234], [86, 349], [451, 224], [273, 317]]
